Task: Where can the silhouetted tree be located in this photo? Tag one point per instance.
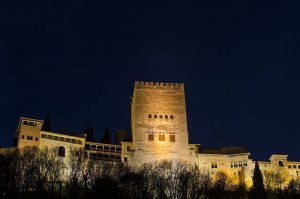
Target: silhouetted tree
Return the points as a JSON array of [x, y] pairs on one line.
[[47, 124], [89, 131], [106, 136], [258, 190], [293, 189], [221, 185]]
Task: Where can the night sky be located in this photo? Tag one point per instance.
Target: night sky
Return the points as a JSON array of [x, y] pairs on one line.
[[76, 61]]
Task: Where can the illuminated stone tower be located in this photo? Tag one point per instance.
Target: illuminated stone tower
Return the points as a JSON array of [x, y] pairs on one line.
[[159, 123]]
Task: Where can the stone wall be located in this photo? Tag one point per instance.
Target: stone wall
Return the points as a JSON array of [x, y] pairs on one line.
[[159, 123]]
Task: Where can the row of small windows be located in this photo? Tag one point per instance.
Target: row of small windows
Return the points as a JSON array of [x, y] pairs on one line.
[[161, 137], [294, 166], [101, 156], [61, 139], [151, 132], [29, 123], [103, 148], [30, 137], [235, 165], [161, 116]]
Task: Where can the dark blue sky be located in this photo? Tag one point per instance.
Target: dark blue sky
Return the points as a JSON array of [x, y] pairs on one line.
[[77, 61]]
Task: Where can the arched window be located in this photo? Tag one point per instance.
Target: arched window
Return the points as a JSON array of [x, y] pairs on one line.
[[160, 116], [280, 163], [149, 116], [61, 151], [166, 116], [155, 116], [171, 117]]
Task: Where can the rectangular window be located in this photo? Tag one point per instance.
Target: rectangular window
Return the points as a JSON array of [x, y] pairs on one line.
[[128, 148], [36, 139], [172, 138], [22, 136], [161, 137], [125, 159], [150, 137], [29, 138], [43, 135]]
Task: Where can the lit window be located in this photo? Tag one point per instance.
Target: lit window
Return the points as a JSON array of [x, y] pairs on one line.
[[161, 137], [149, 116], [150, 137], [61, 151], [172, 138]]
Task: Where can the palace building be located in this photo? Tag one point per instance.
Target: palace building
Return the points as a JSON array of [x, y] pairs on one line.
[[159, 132]]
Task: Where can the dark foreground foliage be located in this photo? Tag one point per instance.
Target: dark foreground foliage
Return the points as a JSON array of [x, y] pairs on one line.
[[32, 173]]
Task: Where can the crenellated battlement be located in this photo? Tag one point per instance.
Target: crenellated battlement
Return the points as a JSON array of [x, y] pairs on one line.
[[158, 85]]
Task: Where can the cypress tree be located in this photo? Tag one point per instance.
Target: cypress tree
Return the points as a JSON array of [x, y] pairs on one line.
[[89, 131], [258, 190], [106, 137], [47, 124]]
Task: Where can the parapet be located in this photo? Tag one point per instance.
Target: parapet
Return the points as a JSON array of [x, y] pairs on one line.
[[159, 85]]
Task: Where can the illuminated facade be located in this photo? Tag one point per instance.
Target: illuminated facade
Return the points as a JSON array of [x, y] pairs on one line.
[[159, 132]]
